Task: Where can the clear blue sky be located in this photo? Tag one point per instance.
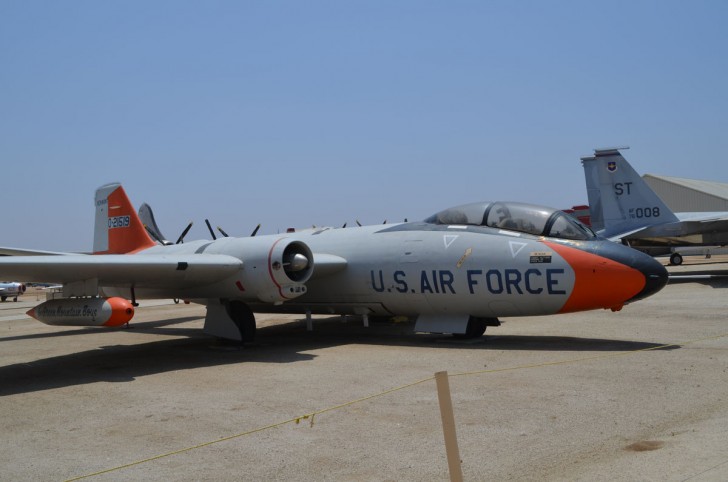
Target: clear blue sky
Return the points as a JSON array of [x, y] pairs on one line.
[[298, 113]]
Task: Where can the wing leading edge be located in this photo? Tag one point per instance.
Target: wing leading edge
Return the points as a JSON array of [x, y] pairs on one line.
[[148, 270]]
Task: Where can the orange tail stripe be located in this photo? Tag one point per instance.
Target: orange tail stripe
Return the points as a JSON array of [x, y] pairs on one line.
[[126, 239]]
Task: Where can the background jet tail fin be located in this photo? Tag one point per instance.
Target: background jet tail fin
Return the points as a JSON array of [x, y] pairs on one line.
[[619, 199], [117, 229], [146, 215]]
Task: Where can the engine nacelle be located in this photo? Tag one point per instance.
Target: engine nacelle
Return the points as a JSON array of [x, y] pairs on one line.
[[278, 272], [84, 312]]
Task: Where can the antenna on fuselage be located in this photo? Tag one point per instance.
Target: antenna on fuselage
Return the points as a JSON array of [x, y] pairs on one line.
[[181, 238]]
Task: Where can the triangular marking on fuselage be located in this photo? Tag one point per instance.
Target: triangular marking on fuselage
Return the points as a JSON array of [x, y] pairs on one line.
[[449, 239], [516, 247]]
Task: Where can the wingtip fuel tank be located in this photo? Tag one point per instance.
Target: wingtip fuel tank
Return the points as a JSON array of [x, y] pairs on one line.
[[84, 312]]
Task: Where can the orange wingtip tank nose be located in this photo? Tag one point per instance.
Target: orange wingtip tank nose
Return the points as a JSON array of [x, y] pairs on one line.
[[599, 282], [122, 311]]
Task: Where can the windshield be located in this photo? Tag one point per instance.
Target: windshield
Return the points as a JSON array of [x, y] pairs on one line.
[[519, 217]]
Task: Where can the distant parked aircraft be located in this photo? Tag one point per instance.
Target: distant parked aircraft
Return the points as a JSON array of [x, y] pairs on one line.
[[625, 208], [11, 289]]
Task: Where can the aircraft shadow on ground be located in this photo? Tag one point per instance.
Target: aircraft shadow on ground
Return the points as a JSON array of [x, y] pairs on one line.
[[718, 281], [85, 331], [125, 363], [331, 332], [283, 343]]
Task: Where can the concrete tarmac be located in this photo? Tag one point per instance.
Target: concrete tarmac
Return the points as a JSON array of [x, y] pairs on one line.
[[641, 394]]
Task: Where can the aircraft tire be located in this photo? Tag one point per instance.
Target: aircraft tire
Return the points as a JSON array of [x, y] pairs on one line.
[[475, 329], [3, 298], [244, 319], [676, 259]]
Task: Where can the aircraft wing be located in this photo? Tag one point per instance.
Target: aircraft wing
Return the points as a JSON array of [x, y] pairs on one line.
[[702, 217], [4, 251], [618, 236], [683, 228], [142, 270], [703, 224]]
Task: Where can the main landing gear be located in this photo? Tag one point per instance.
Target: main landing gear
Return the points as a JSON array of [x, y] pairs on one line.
[[676, 259], [244, 320], [476, 327]]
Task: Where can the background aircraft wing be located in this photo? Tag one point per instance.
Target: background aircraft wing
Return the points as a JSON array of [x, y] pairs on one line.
[[706, 226], [618, 236], [703, 216], [4, 251], [142, 270]]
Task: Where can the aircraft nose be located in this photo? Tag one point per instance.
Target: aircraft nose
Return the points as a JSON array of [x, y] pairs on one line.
[[655, 274], [655, 277]]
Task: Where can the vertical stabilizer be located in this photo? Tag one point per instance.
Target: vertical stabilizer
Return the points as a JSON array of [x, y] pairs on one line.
[[117, 229], [619, 199]]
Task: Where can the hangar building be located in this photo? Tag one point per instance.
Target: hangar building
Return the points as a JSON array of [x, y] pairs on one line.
[[689, 195]]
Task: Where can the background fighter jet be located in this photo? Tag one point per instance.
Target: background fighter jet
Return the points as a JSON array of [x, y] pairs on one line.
[[11, 289], [455, 272], [623, 207]]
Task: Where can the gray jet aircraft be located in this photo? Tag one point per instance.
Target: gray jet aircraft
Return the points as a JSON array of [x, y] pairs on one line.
[[456, 272]]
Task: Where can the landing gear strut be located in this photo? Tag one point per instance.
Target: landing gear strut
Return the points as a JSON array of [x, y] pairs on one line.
[[244, 320]]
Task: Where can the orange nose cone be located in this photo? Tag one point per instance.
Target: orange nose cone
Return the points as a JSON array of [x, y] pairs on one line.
[[31, 313], [599, 282], [122, 312]]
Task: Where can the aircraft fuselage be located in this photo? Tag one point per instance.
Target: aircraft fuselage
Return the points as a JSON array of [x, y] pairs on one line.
[[415, 268]]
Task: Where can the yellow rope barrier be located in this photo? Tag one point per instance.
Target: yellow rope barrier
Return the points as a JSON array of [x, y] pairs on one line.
[[312, 415], [296, 420]]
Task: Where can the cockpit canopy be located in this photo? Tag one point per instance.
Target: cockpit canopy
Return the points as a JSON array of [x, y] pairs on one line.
[[512, 216]]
